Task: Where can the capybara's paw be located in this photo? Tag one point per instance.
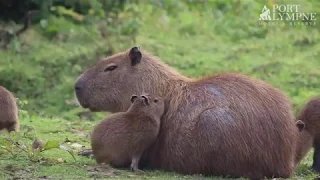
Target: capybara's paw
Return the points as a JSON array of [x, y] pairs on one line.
[[136, 170]]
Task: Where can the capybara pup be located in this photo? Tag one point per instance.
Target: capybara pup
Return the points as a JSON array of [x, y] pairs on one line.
[[124, 136], [310, 136], [225, 125], [8, 111]]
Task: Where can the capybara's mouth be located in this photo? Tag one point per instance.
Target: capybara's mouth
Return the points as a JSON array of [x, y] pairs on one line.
[[86, 105], [82, 103], [92, 109]]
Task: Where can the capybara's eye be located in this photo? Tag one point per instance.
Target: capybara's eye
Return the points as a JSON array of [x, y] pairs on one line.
[[110, 68], [156, 100]]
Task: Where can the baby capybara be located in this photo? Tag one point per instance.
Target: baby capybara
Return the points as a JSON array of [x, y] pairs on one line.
[[123, 137], [8, 111], [310, 136]]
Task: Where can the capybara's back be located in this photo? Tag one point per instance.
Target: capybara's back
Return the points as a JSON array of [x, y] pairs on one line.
[[8, 111], [310, 136]]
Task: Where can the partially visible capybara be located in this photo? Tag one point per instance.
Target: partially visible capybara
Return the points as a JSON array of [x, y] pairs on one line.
[[8, 111], [300, 125], [123, 137], [310, 136], [226, 125]]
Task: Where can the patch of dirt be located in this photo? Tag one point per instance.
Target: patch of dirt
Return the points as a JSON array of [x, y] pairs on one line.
[[80, 133], [86, 152], [55, 132], [87, 115], [102, 171], [17, 173], [43, 178]]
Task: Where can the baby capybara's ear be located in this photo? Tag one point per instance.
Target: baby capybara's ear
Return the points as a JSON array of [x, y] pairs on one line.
[[133, 98], [301, 125], [145, 100], [135, 55]]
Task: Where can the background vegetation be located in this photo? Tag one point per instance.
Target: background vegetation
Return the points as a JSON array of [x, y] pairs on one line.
[[197, 37]]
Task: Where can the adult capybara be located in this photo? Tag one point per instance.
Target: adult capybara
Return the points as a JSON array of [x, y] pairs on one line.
[[227, 125], [310, 136], [124, 136], [8, 111]]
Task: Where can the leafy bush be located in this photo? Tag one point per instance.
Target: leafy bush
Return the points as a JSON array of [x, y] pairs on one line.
[[42, 65], [196, 37], [15, 9], [26, 142]]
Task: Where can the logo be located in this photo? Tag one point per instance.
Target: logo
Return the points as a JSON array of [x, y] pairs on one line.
[[286, 14], [265, 15]]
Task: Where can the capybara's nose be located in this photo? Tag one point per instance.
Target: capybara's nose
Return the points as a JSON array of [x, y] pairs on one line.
[[78, 86]]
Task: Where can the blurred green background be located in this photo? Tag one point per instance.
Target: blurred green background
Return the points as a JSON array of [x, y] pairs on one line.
[[197, 37]]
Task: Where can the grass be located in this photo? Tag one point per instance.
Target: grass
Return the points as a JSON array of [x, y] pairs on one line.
[[59, 164], [196, 44]]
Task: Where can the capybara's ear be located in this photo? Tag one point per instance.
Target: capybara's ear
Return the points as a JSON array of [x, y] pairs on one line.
[[133, 98], [135, 55], [301, 125], [145, 100], [155, 100]]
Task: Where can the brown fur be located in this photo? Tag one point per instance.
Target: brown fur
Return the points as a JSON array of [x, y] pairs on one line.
[[124, 136], [227, 125], [310, 136], [8, 111]]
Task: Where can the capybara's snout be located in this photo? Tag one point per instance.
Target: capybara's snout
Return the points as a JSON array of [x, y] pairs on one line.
[[79, 86], [80, 91]]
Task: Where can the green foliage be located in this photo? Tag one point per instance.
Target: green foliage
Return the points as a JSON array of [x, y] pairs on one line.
[[69, 36], [15, 10], [197, 37], [20, 142], [56, 163]]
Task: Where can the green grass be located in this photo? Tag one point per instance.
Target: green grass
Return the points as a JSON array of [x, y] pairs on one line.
[[50, 165], [196, 43]]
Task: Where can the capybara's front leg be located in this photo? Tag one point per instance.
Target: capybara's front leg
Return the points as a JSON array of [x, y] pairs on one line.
[[135, 164], [316, 158], [14, 126]]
